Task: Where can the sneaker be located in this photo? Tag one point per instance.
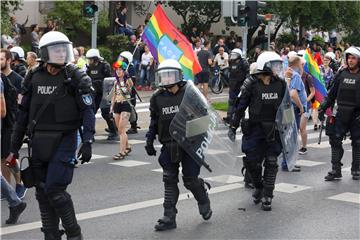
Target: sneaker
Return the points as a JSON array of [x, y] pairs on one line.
[[302, 151], [15, 213], [132, 131], [333, 175], [20, 191]]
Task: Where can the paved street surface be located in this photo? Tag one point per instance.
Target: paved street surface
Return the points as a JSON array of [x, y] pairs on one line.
[[123, 199]]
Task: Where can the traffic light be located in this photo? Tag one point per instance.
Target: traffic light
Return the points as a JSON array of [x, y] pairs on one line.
[[243, 11], [253, 18], [89, 9]]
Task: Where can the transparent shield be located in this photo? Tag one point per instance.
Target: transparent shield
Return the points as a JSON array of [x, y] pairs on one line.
[[60, 53], [200, 131], [108, 85], [285, 121]]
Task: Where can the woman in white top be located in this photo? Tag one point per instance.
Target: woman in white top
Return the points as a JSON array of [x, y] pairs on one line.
[[146, 61], [121, 107]]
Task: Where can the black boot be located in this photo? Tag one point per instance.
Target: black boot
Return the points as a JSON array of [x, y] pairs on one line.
[[247, 179], [132, 131], [168, 221], [355, 166], [113, 136], [197, 187], [15, 213], [355, 175], [52, 234], [63, 205], [333, 175], [257, 195], [266, 203]]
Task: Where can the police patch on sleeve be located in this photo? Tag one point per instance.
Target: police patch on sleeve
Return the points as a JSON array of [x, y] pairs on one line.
[[87, 99]]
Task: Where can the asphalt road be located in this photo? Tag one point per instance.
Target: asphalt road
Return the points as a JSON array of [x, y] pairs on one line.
[[123, 199]]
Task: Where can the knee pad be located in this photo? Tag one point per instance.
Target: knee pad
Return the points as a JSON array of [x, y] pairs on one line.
[[192, 182], [252, 163], [170, 176], [356, 144], [335, 142], [59, 199], [271, 162], [41, 196]]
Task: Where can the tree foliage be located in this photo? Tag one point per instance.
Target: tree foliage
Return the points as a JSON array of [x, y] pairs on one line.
[[200, 14], [320, 15], [7, 8]]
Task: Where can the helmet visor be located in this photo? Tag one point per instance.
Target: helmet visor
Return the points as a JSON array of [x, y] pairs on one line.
[[234, 56], [61, 53], [277, 69], [167, 77]]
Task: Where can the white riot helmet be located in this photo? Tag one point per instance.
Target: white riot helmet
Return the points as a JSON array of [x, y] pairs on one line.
[[127, 56], [17, 53], [56, 49], [168, 73], [355, 51], [301, 53], [236, 53], [270, 62], [330, 55], [93, 53], [292, 54]]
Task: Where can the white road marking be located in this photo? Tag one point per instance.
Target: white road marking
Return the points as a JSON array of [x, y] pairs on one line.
[[117, 210], [290, 188], [347, 197], [129, 163], [225, 179], [308, 163], [95, 156]]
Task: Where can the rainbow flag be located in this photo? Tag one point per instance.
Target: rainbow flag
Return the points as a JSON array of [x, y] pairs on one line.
[[166, 41], [312, 68]]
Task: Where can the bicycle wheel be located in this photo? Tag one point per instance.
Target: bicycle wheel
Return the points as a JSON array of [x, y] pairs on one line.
[[216, 85]]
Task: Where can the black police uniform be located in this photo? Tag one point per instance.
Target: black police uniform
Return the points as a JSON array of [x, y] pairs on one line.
[[97, 73], [239, 69], [54, 140], [261, 139], [163, 107], [346, 92], [20, 69]]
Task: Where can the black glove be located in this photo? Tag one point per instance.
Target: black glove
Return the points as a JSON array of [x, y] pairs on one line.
[[84, 154], [232, 134], [150, 150], [321, 114]]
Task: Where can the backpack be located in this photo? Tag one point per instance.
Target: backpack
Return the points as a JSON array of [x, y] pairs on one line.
[[10, 94]]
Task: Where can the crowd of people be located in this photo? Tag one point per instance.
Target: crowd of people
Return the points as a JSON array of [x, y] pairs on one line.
[[88, 83]]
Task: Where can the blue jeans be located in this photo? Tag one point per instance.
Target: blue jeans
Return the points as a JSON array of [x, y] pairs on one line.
[[9, 193], [125, 30], [144, 77]]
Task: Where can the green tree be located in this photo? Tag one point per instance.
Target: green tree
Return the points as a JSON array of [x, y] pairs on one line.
[[7, 8], [322, 15], [200, 14], [70, 19]]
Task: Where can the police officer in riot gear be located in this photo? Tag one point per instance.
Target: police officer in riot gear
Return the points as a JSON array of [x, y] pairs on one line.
[[18, 61], [127, 57], [56, 101], [262, 93], [164, 104], [345, 92], [98, 69], [239, 69]]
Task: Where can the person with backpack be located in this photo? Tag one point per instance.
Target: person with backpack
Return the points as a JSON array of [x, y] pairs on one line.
[[12, 85]]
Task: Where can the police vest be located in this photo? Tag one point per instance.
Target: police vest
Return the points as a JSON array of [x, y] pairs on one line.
[[167, 106], [266, 100], [349, 90], [62, 113], [236, 71], [96, 72]]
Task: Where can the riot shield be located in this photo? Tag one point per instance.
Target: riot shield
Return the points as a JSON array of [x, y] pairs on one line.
[[108, 85], [286, 124], [200, 131]]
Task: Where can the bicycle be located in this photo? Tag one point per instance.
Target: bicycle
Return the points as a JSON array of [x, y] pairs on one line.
[[218, 81]]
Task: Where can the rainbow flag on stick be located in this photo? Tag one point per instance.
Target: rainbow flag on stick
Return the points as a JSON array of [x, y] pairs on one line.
[[166, 41], [312, 68]]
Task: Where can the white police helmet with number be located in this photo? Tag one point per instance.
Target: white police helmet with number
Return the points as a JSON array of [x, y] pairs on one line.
[[270, 62], [236, 53], [17, 53], [56, 49], [126, 55], [168, 73], [354, 51], [93, 53]]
